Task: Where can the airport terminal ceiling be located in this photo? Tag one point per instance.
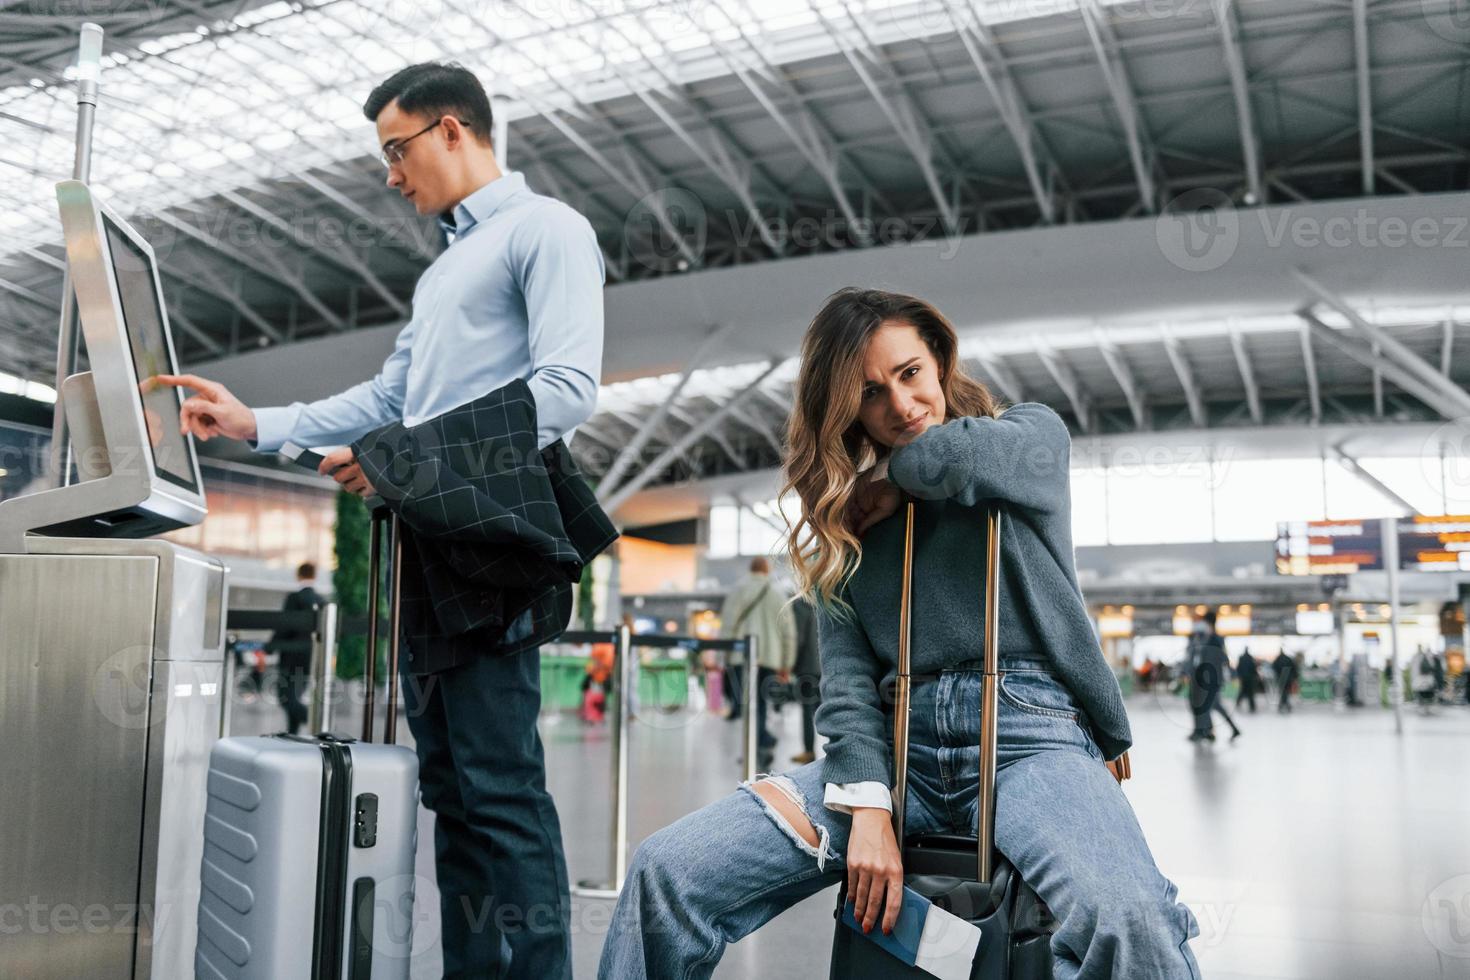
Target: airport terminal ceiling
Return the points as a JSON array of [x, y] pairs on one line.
[[727, 151], [1225, 239]]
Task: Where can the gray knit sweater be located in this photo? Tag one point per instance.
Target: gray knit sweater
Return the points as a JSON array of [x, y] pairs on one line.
[[953, 470]]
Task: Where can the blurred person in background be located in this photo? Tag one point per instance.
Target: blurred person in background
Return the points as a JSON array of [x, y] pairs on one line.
[[293, 646], [757, 607], [1211, 668], [1424, 679], [808, 677], [1284, 667], [1250, 680]]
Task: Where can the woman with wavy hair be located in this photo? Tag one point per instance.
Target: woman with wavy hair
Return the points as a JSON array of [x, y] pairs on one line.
[[884, 409]]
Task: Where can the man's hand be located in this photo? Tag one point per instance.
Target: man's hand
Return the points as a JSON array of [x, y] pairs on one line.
[[342, 466], [213, 411]]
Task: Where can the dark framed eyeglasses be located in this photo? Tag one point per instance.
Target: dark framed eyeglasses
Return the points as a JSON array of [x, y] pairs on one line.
[[393, 150]]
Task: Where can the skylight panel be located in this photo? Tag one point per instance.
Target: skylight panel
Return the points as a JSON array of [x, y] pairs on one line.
[[283, 84]]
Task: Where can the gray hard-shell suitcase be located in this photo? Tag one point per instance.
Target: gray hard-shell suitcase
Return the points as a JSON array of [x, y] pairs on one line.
[[309, 843], [962, 875]]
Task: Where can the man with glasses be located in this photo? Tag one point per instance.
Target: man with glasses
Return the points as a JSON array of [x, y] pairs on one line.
[[516, 294]]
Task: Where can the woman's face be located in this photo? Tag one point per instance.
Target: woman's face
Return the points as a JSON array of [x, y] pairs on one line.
[[901, 394]]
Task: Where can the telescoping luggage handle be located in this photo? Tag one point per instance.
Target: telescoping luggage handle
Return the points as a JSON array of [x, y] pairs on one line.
[[381, 518], [988, 690]]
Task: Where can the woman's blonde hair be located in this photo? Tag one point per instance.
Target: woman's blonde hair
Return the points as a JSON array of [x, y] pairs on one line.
[[827, 445]]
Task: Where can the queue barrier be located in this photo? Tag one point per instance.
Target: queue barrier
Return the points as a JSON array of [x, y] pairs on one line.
[[625, 678], [325, 627], [322, 623]]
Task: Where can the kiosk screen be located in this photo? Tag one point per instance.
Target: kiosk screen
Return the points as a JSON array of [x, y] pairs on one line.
[[138, 291]]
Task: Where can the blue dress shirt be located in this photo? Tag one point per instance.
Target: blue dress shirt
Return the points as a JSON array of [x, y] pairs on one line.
[[517, 294]]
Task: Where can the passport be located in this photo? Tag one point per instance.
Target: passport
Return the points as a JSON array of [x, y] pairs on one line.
[[925, 936]]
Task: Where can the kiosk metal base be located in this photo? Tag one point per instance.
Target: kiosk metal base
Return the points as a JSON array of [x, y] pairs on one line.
[[110, 693]]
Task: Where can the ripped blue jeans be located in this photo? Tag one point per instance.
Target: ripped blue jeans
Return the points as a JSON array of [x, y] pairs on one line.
[[721, 872]]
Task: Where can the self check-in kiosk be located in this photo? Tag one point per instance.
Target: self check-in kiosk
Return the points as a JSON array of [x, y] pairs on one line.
[[137, 475], [111, 649]]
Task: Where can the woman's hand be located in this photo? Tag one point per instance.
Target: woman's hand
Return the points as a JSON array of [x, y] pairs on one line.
[[873, 499], [874, 869]]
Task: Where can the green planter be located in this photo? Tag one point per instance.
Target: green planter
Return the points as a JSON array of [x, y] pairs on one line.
[[662, 684], [352, 535]]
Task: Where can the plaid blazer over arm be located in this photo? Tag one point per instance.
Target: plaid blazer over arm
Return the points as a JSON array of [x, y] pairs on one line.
[[491, 526]]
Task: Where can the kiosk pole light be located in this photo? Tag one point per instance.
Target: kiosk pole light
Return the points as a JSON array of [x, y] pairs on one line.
[[89, 74]]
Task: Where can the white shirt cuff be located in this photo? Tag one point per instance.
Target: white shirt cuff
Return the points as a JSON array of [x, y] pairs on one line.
[[273, 427], [842, 797]]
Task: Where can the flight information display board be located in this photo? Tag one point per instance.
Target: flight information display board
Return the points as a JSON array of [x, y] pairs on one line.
[[1435, 544], [1328, 547]]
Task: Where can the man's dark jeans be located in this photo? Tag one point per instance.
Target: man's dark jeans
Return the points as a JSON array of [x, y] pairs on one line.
[[502, 874]]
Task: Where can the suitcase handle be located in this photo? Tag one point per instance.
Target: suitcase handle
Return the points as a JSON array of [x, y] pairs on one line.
[[381, 518], [989, 689]]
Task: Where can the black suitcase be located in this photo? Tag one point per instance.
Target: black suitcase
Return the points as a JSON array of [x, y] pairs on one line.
[[962, 875]]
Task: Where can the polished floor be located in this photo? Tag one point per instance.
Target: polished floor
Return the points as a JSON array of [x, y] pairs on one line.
[[1319, 845]]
